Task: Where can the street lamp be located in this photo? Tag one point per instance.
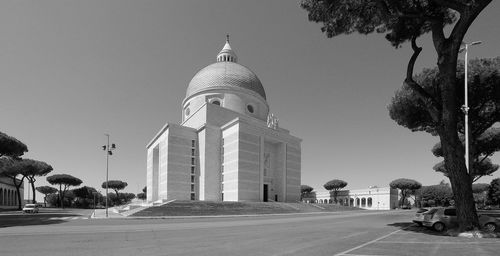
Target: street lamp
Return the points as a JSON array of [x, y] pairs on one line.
[[108, 150], [465, 107]]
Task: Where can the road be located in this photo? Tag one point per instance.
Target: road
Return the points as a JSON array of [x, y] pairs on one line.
[[348, 233]]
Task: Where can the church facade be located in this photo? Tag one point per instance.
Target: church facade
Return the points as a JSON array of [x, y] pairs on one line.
[[227, 147]]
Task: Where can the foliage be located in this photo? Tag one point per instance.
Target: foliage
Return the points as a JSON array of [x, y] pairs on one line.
[[31, 169], [479, 168], [145, 190], [406, 186], [86, 197], [406, 21], [121, 198], [480, 187], [46, 190], [10, 146], [494, 192], [141, 196], [65, 180], [334, 186], [115, 185], [436, 195], [306, 192]]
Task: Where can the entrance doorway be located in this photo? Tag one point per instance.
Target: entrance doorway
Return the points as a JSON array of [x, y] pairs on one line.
[[266, 189]]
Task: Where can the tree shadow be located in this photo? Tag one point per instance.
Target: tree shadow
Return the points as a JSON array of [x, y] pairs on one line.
[[33, 219], [412, 227]]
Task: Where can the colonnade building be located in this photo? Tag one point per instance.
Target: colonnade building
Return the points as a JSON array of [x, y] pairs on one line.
[[373, 198], [8, 194], [227, 147]]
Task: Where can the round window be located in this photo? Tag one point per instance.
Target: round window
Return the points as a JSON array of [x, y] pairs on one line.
[[216, 102], [187, 111], [250, 108]]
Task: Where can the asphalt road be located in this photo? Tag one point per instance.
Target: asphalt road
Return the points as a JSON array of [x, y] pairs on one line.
[[347, 233]]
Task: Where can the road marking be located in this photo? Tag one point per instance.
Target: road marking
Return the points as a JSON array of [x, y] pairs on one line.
[[418, 242], [68, 218], [367, 243]]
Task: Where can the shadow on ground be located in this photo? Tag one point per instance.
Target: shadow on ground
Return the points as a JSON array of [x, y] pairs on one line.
[[32, 219], [412, 227]]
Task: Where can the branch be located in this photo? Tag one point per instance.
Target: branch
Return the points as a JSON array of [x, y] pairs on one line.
[[455, 5], [467, 16], [421, 92]]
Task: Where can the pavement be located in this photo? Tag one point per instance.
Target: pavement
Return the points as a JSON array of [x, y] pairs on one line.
[[101, 214], [367, 233]]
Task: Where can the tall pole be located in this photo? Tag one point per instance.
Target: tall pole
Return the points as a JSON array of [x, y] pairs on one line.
[[465, 107], [466, 112], [107, 168]]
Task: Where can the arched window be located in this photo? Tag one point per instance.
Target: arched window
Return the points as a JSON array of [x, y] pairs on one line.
[[357, 201], [351, 201], [363, 202], [216, 102], [1, 196], [369, 202], [250, 108]]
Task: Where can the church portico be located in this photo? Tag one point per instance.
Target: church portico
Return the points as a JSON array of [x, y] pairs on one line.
[[227, 147]]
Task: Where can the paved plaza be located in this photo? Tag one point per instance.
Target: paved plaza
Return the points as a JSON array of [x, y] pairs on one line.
[[346, 233]]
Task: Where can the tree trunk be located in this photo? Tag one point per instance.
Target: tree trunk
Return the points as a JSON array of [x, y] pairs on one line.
[[32, 182], [61, 197], [452, 147], [19, 203]]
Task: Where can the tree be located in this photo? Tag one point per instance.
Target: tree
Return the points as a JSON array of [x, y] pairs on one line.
[[65, 180], [31, 169], [85, 196], [141, 196], [333, 186], [494, 192], [305, 191], [405, 21], [10, 146], [480, 191], [46, 190], [482, 146], [406, 186], [115, 185], [436, 195]]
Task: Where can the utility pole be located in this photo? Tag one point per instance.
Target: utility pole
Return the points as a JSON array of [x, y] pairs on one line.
[[108, 153]]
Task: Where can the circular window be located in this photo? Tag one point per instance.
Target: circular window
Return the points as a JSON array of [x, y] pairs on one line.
[[187, 111], [250, 108], [216, 102]]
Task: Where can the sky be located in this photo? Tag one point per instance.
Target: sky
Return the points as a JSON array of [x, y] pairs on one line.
[[72, 71]]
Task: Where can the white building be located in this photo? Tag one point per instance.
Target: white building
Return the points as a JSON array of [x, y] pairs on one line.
[[373, 198], [227, 147], [8, 194]]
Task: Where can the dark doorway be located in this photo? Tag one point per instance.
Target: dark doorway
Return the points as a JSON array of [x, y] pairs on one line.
[[265, 192]]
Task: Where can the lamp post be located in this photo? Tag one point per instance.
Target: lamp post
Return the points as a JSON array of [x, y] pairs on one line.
[[108, 153], [465, 107]]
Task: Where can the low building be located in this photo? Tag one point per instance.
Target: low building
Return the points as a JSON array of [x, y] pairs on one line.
[[8, 194], [372, 198]]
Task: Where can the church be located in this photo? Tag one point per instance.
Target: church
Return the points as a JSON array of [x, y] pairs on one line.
[[228, 146]]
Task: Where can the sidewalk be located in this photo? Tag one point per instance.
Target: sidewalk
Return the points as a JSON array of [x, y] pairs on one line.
[[101, 214]]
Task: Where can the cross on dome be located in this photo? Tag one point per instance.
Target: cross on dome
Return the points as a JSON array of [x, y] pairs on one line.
[[227, 54]]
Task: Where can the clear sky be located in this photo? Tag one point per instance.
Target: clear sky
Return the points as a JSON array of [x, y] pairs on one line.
[[71, 71]]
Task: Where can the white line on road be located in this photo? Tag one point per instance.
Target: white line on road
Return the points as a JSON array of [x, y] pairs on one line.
[[418, 242], [367, 243]]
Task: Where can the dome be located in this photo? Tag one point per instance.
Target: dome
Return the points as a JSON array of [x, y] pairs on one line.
[[225, 75]]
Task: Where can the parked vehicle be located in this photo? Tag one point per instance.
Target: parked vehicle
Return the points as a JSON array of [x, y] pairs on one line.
[[419, 215], [30, 208], [442, 218]]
